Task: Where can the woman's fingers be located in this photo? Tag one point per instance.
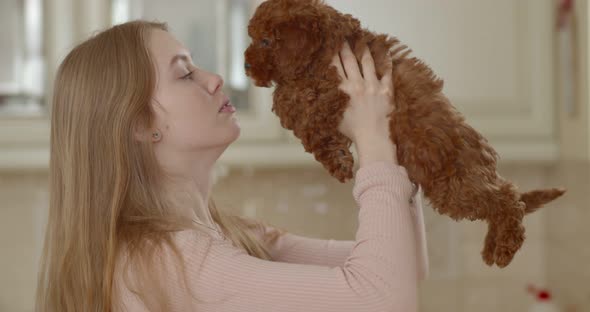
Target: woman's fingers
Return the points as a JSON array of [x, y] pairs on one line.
[[338, 64], [350, 63], [352, 79], [387, 79], [368, 66]]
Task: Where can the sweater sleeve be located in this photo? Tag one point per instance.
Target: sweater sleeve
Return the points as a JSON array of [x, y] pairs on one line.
[[380, 273], [292, 248]]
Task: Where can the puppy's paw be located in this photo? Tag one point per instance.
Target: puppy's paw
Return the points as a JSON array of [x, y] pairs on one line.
[[503, 255], [487, 254], [343, 173], [490, 244]]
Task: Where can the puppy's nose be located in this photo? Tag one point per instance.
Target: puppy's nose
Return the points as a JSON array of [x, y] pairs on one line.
[[247, 66]]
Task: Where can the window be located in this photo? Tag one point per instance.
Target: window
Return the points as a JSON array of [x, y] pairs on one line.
[[215, 31], [21, 60]]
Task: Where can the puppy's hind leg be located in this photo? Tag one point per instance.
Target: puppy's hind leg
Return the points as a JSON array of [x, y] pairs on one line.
[[490, 243], [511, 234]]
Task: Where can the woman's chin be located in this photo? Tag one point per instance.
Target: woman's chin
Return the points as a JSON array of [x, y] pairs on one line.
[[236, 131]]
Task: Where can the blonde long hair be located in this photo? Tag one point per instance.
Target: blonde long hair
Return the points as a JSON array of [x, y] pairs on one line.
[[105, 185]]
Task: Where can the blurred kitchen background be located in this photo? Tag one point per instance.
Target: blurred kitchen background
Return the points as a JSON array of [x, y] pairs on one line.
[[518, 70]]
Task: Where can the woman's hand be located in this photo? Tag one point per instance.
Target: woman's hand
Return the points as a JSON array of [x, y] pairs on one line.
[[370, 98], [366, 119]]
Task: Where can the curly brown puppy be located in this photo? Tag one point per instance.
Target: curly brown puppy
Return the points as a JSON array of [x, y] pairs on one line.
[[293, 42]]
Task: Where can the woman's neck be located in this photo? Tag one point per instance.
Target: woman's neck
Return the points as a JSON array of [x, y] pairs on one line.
[[191, 199]]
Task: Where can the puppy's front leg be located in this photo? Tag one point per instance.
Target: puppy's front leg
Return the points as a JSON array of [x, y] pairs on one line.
[[313, 110], [332, 150]]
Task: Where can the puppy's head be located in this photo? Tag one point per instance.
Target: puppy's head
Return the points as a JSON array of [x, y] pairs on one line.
[[285, 35]]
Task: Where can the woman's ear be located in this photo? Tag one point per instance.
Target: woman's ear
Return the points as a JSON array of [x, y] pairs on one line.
[[143, 134]]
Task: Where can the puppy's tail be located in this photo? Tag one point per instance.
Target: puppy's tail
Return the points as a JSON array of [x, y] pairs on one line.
[[536, 199]]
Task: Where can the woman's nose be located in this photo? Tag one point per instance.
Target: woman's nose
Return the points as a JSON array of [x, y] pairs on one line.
[[215, 83]]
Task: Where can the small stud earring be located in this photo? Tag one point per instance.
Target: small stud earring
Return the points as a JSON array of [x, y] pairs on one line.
[[156, 135]]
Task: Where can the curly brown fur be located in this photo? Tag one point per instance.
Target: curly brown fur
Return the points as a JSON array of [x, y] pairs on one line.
[[293, 42]]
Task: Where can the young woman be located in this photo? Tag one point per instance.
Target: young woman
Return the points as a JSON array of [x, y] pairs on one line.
[[136, 128]]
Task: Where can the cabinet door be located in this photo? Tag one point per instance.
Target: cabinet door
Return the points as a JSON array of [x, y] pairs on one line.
[[495, 56], [216, 33], [11, 52]]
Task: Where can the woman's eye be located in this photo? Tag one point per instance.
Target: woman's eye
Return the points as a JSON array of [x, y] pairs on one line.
[[265, 42], [188, 76]]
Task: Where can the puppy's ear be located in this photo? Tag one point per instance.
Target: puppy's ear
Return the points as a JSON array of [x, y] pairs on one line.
[[297, 40]]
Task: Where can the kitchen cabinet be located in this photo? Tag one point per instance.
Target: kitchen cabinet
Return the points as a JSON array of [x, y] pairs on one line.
[[496, 57]]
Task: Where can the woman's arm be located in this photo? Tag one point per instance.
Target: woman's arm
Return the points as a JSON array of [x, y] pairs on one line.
[[380, 274], [292, 248]]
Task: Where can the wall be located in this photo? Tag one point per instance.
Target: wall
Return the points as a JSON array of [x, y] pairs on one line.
[[308, 202]]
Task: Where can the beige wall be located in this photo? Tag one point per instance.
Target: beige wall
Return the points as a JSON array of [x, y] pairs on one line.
[[305, 201], [23, 206], [308, 202], [567, 226], [574, 136], [567, 237]]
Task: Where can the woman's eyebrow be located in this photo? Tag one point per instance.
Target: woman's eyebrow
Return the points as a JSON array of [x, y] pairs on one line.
[[183, 56]]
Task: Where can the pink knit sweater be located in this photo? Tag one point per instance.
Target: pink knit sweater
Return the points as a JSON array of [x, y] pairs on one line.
[[378, 271]]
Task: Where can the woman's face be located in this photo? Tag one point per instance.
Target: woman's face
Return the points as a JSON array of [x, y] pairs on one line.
[[188, 100]]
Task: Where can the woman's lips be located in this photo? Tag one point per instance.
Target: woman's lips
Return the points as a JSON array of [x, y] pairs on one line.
[[227, 108], [224, 103]]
